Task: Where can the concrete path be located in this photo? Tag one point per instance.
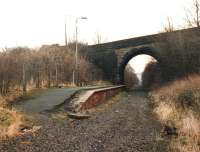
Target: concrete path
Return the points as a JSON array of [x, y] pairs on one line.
[[48, 99]]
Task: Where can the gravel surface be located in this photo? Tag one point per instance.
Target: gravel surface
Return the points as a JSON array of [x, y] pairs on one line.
[[126, 125]]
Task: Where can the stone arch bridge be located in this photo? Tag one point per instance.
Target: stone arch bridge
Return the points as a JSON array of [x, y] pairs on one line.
[[112, 57]]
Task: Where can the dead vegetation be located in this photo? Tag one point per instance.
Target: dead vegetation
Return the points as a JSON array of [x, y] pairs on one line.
[[10, 122], [193, 15], [25, 71], [178, 105], [177, 102], [152, 76], [130, 78]]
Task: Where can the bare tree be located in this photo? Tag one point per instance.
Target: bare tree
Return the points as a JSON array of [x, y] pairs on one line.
[[99, 38], [193, 14], [169, 27], [51, 65]]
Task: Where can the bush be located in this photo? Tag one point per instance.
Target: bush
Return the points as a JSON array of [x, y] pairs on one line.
[[151, 77]]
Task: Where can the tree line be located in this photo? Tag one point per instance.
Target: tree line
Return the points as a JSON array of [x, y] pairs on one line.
[[23, 68]]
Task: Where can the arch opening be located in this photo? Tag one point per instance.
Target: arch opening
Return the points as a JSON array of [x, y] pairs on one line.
[[139, 68]]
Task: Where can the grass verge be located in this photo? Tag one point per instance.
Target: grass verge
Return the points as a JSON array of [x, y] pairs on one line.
[[10, 122], [178, 105]]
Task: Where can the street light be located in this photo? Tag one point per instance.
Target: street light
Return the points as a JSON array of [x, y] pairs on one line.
[[66, 41], [75, 72], [66, 16]]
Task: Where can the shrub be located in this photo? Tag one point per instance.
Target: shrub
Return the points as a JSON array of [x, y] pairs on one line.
[[151, 77]]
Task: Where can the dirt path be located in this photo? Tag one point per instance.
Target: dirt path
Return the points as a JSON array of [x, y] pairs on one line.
[[127, 125]]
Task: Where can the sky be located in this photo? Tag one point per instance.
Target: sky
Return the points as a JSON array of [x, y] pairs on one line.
[[33, 23], [139, 63]]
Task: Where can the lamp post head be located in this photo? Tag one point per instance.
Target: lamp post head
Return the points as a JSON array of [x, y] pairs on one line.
[[83, 18]]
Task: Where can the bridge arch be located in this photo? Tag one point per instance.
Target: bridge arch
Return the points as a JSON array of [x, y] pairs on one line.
[[133, 53]]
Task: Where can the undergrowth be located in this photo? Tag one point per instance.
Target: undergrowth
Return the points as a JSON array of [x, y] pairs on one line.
[[178, 105]]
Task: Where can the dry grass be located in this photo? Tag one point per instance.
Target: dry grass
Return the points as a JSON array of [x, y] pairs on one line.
[[10, 122], [178, 104]]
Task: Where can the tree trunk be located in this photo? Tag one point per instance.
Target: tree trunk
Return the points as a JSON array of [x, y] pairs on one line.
[[38, 80], [56, 76], [24, 79], [49, 80]]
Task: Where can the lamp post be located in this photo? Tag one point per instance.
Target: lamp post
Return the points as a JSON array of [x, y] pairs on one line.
[[75, 72], [67, 20], [66, 34], [66, 41]]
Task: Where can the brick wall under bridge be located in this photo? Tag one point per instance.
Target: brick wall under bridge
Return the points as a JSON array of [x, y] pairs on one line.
[[112, 57]]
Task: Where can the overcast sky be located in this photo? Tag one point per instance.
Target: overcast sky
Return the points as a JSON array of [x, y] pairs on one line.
[[36, 22]]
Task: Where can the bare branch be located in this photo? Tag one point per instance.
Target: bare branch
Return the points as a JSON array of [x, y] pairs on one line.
[[193, 15], [169, 27], [99, 38]]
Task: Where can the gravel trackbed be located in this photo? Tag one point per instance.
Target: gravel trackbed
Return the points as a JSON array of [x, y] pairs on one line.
[[123, 124]]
